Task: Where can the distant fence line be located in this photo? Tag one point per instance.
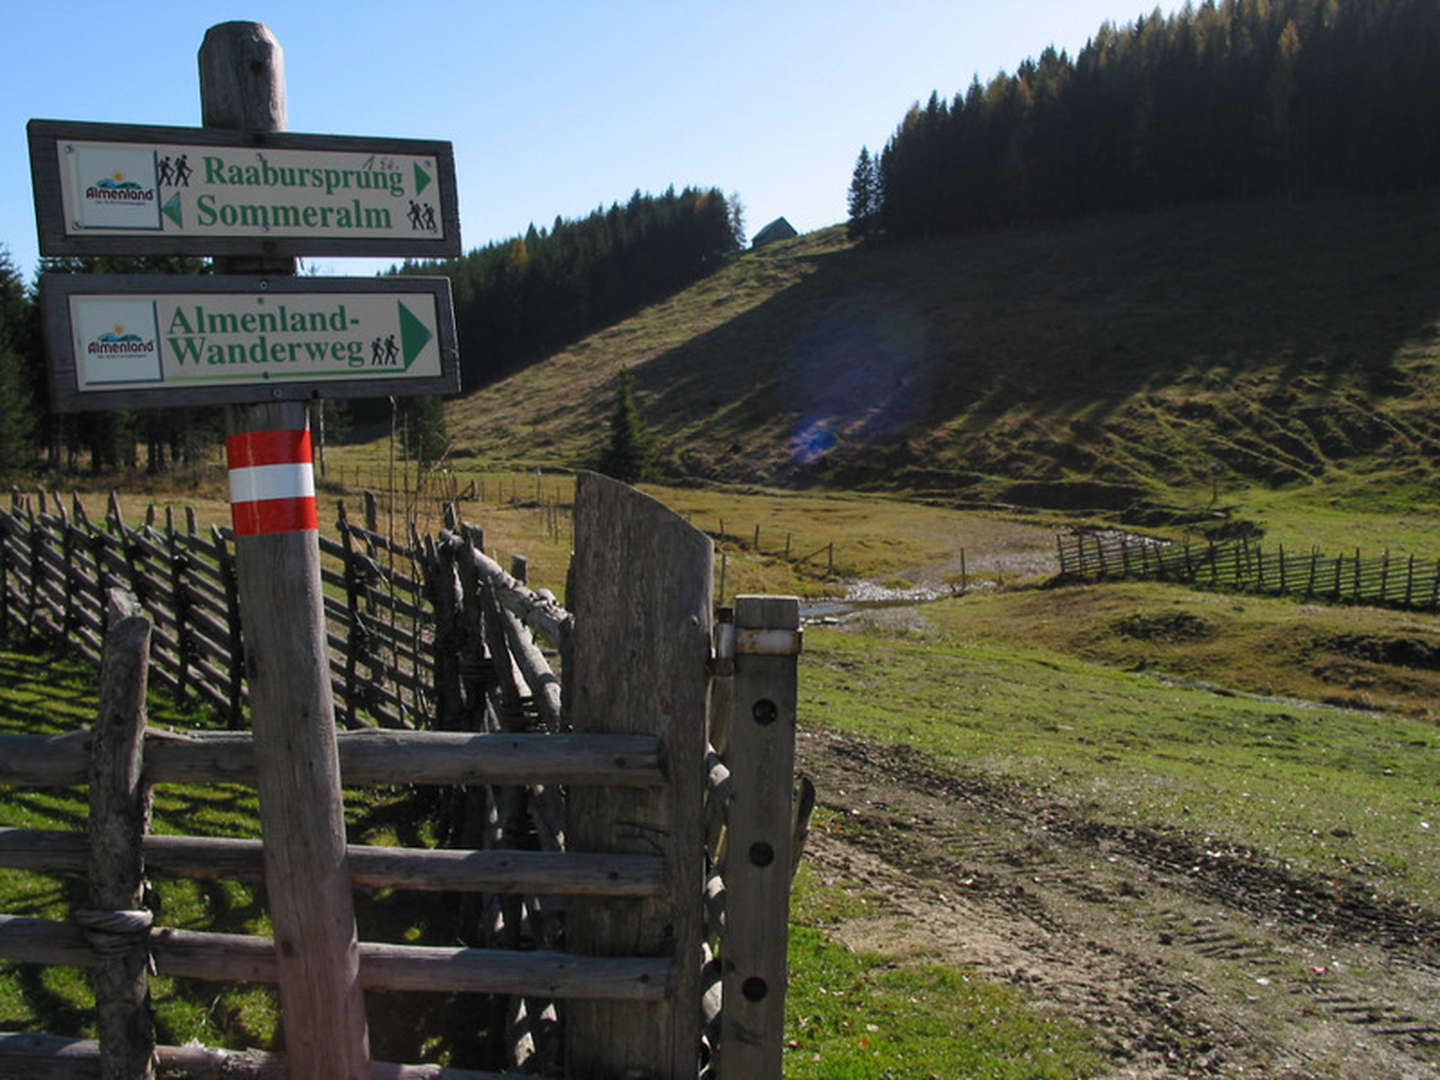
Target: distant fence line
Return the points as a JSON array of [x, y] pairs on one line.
[[1404, 582]]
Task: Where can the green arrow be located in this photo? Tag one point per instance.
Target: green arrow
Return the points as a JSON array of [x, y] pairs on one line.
[[414, 334], [422, 180], [172, 210]]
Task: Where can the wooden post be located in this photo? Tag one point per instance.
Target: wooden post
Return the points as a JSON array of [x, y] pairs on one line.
[[32, 612], [179, 559], [115, 923], [236, 638], [4, 574], [1409, 579], [757, 868], [67, 558], [302, 820], [641, 594]]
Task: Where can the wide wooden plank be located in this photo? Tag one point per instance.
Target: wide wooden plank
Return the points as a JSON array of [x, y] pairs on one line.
[[642, 600]]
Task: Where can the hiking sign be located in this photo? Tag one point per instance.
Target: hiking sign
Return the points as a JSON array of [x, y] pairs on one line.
[[145, 340], [140, 190]]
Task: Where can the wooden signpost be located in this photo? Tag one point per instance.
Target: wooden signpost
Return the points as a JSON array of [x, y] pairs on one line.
[[258, 339]]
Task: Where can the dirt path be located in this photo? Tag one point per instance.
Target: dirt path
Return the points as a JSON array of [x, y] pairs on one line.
[[1188, 962]]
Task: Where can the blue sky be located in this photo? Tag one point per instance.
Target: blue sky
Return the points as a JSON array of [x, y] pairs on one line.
[[553, 107]]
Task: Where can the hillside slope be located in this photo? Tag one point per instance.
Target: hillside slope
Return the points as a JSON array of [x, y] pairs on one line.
[[1112, 363]]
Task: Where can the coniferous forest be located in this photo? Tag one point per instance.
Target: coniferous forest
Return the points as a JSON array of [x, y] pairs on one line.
[[1232, 100], [521, 299]]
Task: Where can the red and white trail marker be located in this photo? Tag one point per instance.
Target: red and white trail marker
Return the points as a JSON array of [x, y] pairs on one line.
[[272, 482]]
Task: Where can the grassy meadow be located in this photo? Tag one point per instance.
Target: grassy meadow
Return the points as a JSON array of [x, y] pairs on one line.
[[926, 417]]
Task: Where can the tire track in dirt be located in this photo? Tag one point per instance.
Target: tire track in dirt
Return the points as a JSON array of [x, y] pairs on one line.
[[1187, 961]]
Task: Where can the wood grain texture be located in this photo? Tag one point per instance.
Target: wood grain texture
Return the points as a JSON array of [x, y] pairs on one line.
[[302, 817], [758, 863], [119, 817], [641, 596]]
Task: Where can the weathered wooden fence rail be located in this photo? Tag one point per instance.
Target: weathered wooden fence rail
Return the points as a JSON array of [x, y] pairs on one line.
[[1405, 582], [622, 842]]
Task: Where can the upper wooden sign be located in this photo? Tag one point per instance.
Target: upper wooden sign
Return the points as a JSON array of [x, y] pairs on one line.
[[112, 189]]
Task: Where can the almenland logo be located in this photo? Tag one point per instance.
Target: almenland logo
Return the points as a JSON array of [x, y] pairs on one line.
[[115, 188], [119, 342]]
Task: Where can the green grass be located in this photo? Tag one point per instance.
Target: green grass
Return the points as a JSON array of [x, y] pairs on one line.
[[41, 692], [1279, 777], [866, 1015], [1266, 347], [45, 693], [858, 1016]]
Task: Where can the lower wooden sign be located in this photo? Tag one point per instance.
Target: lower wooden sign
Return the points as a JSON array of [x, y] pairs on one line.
[[120, 341]]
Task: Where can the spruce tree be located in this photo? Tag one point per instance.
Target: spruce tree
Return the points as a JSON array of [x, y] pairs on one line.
[[629, 454], [862, 202], [17, 416]]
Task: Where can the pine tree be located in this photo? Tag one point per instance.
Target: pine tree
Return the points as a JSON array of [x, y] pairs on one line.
[[17, 415], [863, 204], [426, 436], [20, 369], [629, 455]]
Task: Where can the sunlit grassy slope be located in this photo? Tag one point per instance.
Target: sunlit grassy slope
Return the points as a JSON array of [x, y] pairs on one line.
[[1117, 364]]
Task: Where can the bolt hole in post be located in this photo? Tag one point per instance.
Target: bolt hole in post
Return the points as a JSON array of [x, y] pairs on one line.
[[765, 712], [754, 988], [761, 854]]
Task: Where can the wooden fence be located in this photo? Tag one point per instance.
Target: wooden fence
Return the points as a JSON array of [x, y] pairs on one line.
[[56, 567], [623, 841], [1241, 564]]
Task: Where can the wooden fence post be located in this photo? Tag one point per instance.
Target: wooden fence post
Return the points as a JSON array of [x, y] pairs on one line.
[[179, 559], [302, 820], [4, 574], [32, 612], [758, 865], [642, 598], [67, 573], [116, 924], [225, 558]]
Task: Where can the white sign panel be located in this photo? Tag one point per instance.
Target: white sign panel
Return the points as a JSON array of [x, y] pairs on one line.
[[198, 191], [142, 335]]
